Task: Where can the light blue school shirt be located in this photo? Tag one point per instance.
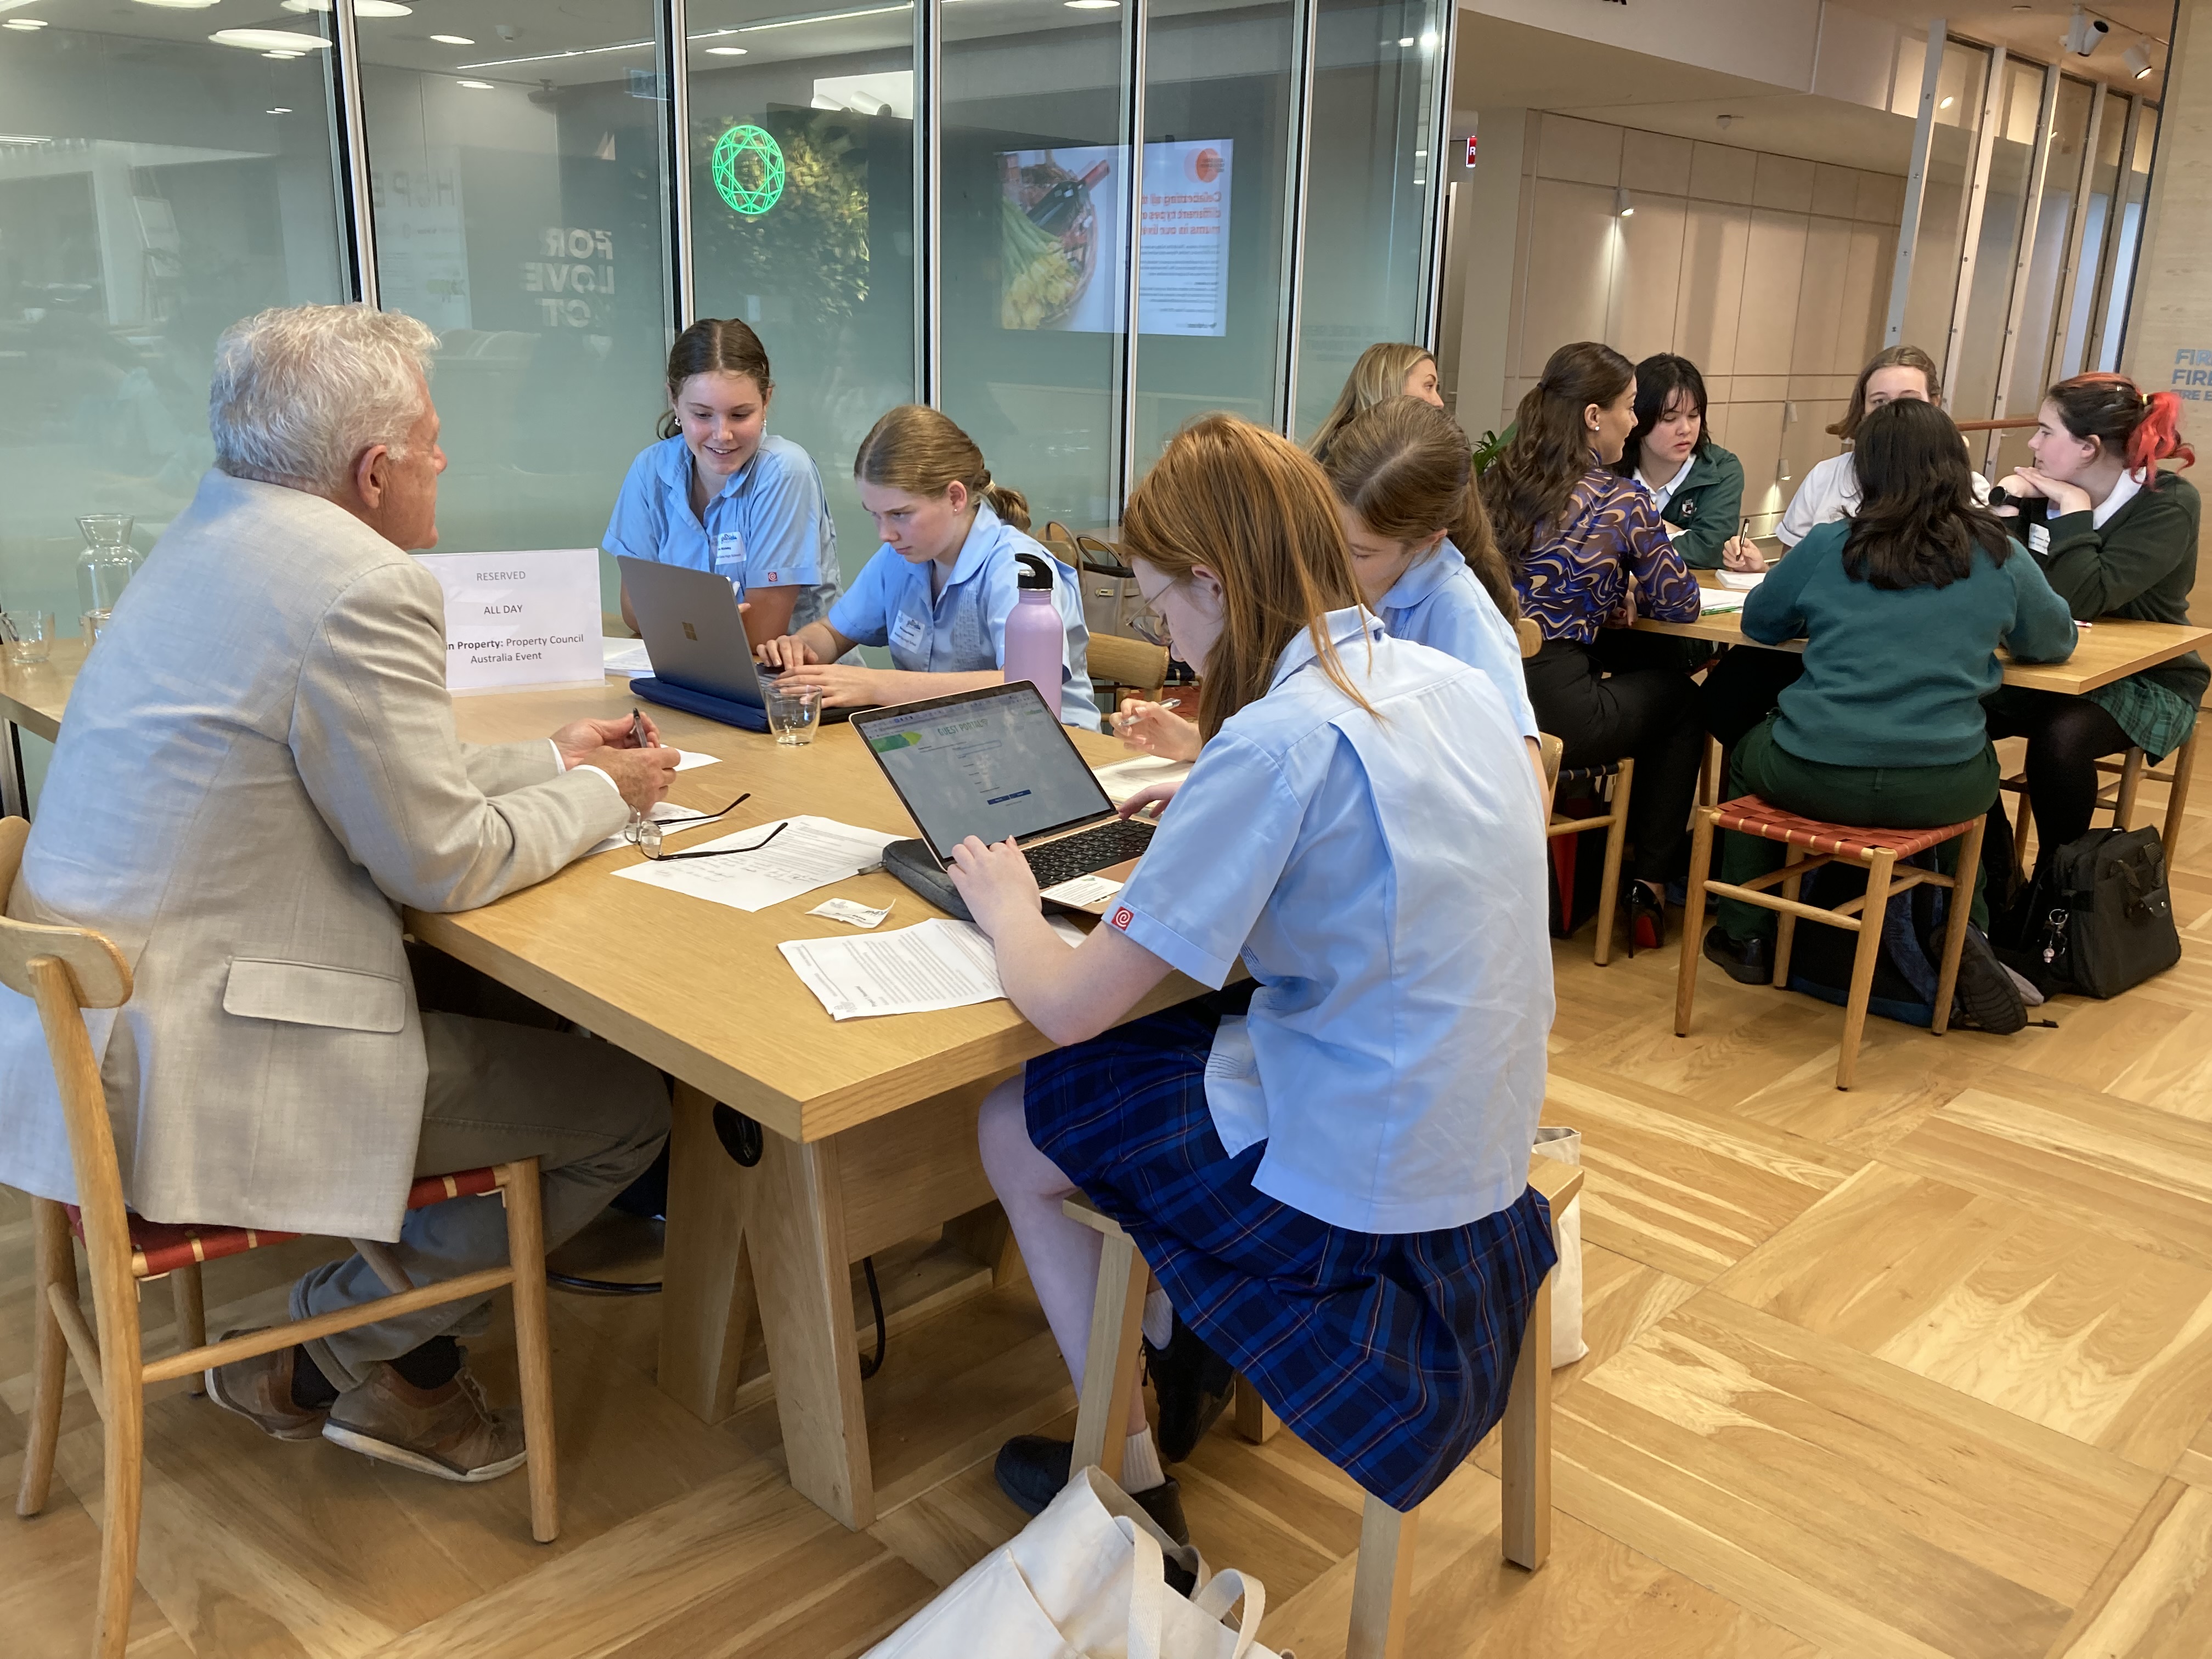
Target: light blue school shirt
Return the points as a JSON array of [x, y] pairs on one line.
[[1440, 603], [964, 629], [1383, 880], [769, 525]]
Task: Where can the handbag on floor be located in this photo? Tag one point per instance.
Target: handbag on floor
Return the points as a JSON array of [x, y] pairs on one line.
[[2098, 918], [1085, 1580], [1566, 1146]]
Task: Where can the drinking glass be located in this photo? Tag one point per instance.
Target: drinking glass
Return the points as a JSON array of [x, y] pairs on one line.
[[794, 715], [29, 635]]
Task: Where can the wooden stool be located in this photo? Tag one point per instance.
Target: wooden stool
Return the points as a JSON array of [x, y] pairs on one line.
[[67, 970], [1382, 1590], [2128, 773], [1879, 850]]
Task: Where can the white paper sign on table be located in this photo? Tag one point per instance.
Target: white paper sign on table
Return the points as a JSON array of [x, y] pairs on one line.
[[692, 757], [520, 619], [932, 966], [810, 853]]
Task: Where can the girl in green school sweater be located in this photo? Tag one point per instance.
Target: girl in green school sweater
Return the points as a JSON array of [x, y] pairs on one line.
[[1902, 608], [2116, 537]]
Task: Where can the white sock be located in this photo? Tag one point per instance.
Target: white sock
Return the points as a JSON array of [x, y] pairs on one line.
[[1159, 1317], [1140, 1463]]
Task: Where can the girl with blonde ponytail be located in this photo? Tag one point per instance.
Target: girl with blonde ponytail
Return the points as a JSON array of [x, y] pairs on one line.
[[938, 590]]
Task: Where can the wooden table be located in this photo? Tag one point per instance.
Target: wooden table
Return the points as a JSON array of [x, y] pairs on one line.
[[2109, 650], [872, 1122], [32, 699]]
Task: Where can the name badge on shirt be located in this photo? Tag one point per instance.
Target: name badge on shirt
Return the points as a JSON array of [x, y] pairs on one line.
[[729, 550], [2038, 538], [911, 632]]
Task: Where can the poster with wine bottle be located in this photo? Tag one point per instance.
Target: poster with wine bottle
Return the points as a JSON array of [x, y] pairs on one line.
[[1064, 248]]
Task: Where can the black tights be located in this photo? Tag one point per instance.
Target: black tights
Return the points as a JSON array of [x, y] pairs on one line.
[[2066, 738]]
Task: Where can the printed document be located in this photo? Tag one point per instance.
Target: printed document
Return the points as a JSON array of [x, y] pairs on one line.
[[810, 853], [932, 966], [1125, 778]]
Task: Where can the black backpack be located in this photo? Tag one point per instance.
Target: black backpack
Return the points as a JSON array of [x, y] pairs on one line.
[[1905, 971], [2098, 918]]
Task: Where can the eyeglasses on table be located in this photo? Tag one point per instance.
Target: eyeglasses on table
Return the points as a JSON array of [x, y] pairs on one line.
[[647, 835]]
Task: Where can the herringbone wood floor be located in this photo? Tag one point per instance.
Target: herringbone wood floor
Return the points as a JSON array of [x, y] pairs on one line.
[[1921, 1370]]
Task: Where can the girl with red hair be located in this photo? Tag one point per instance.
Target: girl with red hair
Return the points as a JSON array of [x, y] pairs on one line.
[[2117, 538]]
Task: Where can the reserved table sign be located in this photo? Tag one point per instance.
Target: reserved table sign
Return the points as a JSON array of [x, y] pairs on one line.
[[519, 619]]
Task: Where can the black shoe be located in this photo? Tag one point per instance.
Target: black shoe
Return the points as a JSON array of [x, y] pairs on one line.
[[1749, 961], [1986, 1000], [1032, 1471], [1194, 1386], [1647, 918]]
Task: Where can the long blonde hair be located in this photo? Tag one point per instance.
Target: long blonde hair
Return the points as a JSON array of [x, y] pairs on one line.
[[1405, 469], [1380, 374], [1896, 356], [1252, 508], [920, 451]]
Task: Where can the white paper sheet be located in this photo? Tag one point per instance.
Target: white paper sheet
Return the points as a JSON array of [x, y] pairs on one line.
[[1083, 889], [1125, 778], [625, 656], [852, 912], [932, 966], [810, 853], [692, 757]]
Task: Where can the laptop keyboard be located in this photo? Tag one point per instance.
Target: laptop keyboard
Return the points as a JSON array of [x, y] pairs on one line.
[[1071, 856]]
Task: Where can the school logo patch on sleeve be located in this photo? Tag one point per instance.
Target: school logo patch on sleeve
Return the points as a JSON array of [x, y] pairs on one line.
[[1123, 917]]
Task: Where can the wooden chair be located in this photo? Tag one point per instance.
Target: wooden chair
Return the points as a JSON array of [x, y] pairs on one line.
[[1878, 850], [1128, 665], [1382, 1591], [2128, 773], [1614, 820], [67, 970]]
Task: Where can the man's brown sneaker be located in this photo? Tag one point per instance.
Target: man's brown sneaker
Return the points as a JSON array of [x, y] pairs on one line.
[[450, 1431], [259, 1391]]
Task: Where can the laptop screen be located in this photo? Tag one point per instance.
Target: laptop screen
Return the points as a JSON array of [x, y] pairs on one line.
[[993, 764]]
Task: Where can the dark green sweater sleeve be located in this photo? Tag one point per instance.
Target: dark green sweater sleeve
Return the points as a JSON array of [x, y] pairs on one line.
[[2097, 572], [1771, 611], [2042, 627], [1720, 515]]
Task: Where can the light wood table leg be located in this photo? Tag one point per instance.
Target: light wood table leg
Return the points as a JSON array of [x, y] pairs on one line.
[[1256, 1421], [1525, 1442], [1382, 1583], [706, 1287], [796, 1232]]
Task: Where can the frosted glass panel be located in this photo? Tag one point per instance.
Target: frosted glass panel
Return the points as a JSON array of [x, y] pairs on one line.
[[154, 188]]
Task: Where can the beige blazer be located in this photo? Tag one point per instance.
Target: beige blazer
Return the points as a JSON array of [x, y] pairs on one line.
[[257, 768]]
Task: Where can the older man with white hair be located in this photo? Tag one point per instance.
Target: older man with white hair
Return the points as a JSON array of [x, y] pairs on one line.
[[258, 768]]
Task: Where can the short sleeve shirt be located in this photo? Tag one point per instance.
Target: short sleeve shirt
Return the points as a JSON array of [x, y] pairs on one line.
[[769, 526], [1382, 875], [1830, 491], [1440, 603], [962, 629]]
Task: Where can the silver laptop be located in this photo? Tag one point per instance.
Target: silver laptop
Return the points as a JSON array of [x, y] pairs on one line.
[[695, 634], [995, 762]]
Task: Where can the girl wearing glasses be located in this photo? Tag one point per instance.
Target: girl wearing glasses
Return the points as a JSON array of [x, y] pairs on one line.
[[938, 590], [1368, 1271], [718, 492]]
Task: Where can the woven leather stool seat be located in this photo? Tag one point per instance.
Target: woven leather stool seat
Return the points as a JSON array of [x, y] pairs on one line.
[[1750, 816], [162, 1247]]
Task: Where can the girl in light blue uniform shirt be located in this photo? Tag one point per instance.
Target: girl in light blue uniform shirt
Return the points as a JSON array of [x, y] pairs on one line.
[[1331, 1183], [1404, 482], [938, 590], [719, 492]]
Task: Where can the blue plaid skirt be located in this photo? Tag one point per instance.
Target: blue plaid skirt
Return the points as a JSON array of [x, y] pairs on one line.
[[1390, 1354]]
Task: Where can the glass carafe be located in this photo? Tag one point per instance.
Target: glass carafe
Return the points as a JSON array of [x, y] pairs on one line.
[[106, 563]]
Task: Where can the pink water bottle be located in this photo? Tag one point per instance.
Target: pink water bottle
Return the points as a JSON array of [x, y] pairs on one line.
[[1035, 637]]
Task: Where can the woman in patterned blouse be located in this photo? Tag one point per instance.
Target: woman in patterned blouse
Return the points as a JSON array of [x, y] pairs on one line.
[[1588, 555]]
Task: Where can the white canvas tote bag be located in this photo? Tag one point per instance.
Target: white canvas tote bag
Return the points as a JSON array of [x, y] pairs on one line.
[[1085, 1580], [1565, 1145]]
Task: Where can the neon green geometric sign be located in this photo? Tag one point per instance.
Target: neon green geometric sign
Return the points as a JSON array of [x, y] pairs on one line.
[[748, 169]]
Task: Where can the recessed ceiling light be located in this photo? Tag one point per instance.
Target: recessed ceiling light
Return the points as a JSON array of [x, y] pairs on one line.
[[1092, 5], [280, 109], [179, 5], [1428, 39], [476, 85], [269, 40], [725, 51], [361, 7], [24, 23], [452, 39], [1947, 103], [283, 54]]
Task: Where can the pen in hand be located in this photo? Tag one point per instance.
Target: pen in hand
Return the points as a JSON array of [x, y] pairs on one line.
[[637, 728]]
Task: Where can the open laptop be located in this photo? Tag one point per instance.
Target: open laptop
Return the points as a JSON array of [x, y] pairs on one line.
[[694, 635], [996, 763]]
